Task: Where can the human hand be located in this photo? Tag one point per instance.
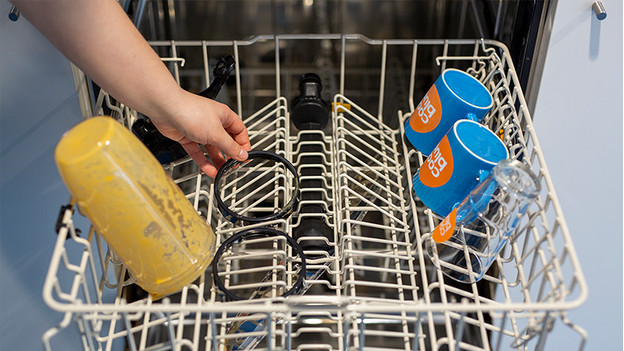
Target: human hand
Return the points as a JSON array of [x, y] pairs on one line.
[[195, 121], [87, 32]]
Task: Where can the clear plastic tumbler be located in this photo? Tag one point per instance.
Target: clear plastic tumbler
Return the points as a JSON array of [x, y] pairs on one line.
[[466, 243]]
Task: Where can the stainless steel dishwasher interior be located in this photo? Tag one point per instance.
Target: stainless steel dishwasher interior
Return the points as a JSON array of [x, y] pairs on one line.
[[516, 23]]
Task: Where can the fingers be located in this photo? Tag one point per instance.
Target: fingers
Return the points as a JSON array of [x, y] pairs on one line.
[[211, 124], [196, 153], [235, 141], [215, 155]]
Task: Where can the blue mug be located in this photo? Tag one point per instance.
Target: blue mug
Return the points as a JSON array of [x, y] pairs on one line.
[[461, 160], [455, 95]]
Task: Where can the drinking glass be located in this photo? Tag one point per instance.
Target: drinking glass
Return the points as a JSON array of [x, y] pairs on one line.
[[466, 243]]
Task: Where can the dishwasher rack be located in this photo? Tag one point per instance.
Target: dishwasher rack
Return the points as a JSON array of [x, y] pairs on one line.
[[373, 288]]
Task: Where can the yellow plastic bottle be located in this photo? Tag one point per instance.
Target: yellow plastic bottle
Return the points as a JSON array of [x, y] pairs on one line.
[[138, 209]]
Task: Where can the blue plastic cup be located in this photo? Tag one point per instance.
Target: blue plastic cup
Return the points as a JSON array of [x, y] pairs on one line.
[[455, 95], [463, 158]]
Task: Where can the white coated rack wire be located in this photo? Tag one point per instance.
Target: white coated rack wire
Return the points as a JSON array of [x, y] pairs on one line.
[[372, 288]]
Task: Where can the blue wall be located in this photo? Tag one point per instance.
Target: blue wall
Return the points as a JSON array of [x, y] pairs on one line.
[[38, 103], [578, 118]]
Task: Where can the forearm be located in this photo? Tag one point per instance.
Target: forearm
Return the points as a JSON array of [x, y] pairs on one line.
[[98, 37]]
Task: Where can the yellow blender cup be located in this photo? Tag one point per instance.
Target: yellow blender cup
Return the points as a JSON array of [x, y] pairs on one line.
[[138, 209]]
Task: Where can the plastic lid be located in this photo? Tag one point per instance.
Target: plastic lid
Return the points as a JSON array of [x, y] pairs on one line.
[[517, 177], [84, 139]]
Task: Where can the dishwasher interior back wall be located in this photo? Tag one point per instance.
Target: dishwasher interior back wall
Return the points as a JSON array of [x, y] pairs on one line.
[[515, 23]]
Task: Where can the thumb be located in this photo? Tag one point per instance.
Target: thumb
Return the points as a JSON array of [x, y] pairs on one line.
[[231, 148]]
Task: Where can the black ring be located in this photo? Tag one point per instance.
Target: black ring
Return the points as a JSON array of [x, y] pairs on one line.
[[262, 232], [233, 216]]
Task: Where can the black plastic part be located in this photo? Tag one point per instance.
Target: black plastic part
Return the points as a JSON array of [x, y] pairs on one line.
[[221, 72], [232, 216], [164, 149], [309, 110], [311, 167], [313, 226], [262, 232], [311, 171], [59, 219]]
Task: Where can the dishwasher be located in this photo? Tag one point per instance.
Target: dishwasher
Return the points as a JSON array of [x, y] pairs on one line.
[[363, 281], [367, 283]]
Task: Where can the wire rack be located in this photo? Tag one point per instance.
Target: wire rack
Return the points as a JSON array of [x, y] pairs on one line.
[[372, 287]]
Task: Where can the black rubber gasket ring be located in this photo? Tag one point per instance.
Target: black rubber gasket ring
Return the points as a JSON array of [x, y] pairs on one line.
[[262, 232], [232, 216]]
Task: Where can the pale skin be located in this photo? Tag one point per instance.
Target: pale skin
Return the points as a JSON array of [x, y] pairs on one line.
[[98, 37]]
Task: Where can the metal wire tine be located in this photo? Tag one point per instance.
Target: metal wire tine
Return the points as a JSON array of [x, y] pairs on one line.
[[264, 171], [117, 109], [224, 229], [388, 242], [129, 338], [205, 63], [175, 60], [279, 284], [379, 167], [500, 84], [363, 201], [87, 261], [90, 334], [179, 60], [288, 336], [381, 150], [412, 76], [440, 60], [362, 331], [48, 334], [251, 255], [369, 165], [277, 146], [169, 325], [364, 181], [478, 72], [340, 110], [280, 104], [444, 54], [272, 118], [343, 45], [382, 80], [367, 200], [378, 208], [582, 332], [260, 200], [278, 90], [268, 137]]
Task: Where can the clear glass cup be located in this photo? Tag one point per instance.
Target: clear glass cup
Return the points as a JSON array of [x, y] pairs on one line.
[[466, 243]]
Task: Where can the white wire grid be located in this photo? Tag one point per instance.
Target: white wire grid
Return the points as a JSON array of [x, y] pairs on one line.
[[374, 289]]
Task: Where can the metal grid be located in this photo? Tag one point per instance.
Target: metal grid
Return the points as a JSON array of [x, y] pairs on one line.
[[374, 288]]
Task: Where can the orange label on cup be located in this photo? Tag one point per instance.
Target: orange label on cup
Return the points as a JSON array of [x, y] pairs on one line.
[[428, 113], [445, 229], [438, 167]]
